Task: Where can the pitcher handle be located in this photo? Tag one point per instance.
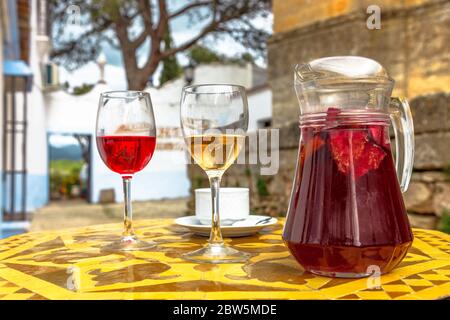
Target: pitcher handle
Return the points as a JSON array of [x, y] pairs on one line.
[[402, 123]]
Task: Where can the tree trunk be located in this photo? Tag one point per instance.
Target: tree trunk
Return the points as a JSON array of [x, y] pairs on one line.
[[136, 80]]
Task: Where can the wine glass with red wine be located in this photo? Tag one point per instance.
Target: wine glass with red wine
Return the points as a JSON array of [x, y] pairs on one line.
[[126, 140]]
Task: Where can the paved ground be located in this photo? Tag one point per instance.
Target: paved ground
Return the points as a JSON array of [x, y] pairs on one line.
[[68, 214]]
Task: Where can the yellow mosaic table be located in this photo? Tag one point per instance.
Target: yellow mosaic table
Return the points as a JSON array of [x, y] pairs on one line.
[[71, 265]]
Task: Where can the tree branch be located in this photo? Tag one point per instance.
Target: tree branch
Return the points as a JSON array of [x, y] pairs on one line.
[[71, 45], [148, 31], [156, 38], [183, 10], [211, 27], [146, 11], [163, 18], [229, 13]]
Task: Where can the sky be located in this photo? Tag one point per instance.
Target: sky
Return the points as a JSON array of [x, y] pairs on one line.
[[181, 31], [60, 140]]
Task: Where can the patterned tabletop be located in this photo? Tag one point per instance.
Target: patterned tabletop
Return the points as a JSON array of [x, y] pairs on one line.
[[70, 264]]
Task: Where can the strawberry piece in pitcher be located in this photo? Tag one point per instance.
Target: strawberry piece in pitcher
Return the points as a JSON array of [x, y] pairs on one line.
[[352, 149]]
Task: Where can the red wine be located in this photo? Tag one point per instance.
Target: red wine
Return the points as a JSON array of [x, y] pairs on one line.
[[126, 155], [346, 211]]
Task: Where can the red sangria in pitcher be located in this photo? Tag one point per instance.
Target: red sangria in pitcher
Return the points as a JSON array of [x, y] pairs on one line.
[[346, 216]]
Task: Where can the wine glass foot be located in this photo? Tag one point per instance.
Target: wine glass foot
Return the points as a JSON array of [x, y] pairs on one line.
[[130, 243], [216, 253]]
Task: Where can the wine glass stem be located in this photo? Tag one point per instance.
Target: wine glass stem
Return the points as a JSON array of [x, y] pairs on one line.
[[128, 211], [216, 235]]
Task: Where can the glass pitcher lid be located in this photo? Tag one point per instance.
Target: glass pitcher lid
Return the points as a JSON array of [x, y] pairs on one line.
[[341, 67], [343, 82]]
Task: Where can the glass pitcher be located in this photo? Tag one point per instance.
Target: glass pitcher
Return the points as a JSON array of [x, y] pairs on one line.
[[346, 216]]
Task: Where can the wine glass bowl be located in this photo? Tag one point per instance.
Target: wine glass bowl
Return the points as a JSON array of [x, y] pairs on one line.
[[214, 121], [126, 140]]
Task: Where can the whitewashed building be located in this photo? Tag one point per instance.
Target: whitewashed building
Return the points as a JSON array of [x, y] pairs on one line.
[[166, 174], [51, 111], [24, 168]]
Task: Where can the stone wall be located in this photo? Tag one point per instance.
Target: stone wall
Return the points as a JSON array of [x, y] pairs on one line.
[[428, 196], [413, 44], [293, 14]]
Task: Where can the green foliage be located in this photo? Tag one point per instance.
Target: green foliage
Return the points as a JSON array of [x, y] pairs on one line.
[[262, 187], [83, 89], [444, 224], [199, 54], [64, 174], [65, 166], [171, 69], [247, 57], [240, 59]]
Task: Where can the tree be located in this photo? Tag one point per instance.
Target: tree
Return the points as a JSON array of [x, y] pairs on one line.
[[171, 68], [129, 24], [246, 57], [199, 54], [83, 89]]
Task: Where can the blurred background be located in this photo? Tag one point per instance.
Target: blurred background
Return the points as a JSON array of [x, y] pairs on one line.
[[59, 55]]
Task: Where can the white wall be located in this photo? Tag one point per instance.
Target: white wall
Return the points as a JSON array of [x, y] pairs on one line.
[[260, 107], [37, 161], [166, 103], [160, 179], [226, 74], [37, 137], [72, 114], [164, 176]]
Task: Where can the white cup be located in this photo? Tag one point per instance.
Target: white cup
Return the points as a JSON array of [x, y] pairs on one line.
[[234, 205]]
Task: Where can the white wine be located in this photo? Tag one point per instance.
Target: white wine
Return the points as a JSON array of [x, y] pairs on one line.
[[215, 152]]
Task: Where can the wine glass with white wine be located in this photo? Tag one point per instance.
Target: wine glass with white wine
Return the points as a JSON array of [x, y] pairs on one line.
[[214, 119]]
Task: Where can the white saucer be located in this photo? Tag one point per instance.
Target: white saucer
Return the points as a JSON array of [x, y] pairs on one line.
[[241, 228]]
